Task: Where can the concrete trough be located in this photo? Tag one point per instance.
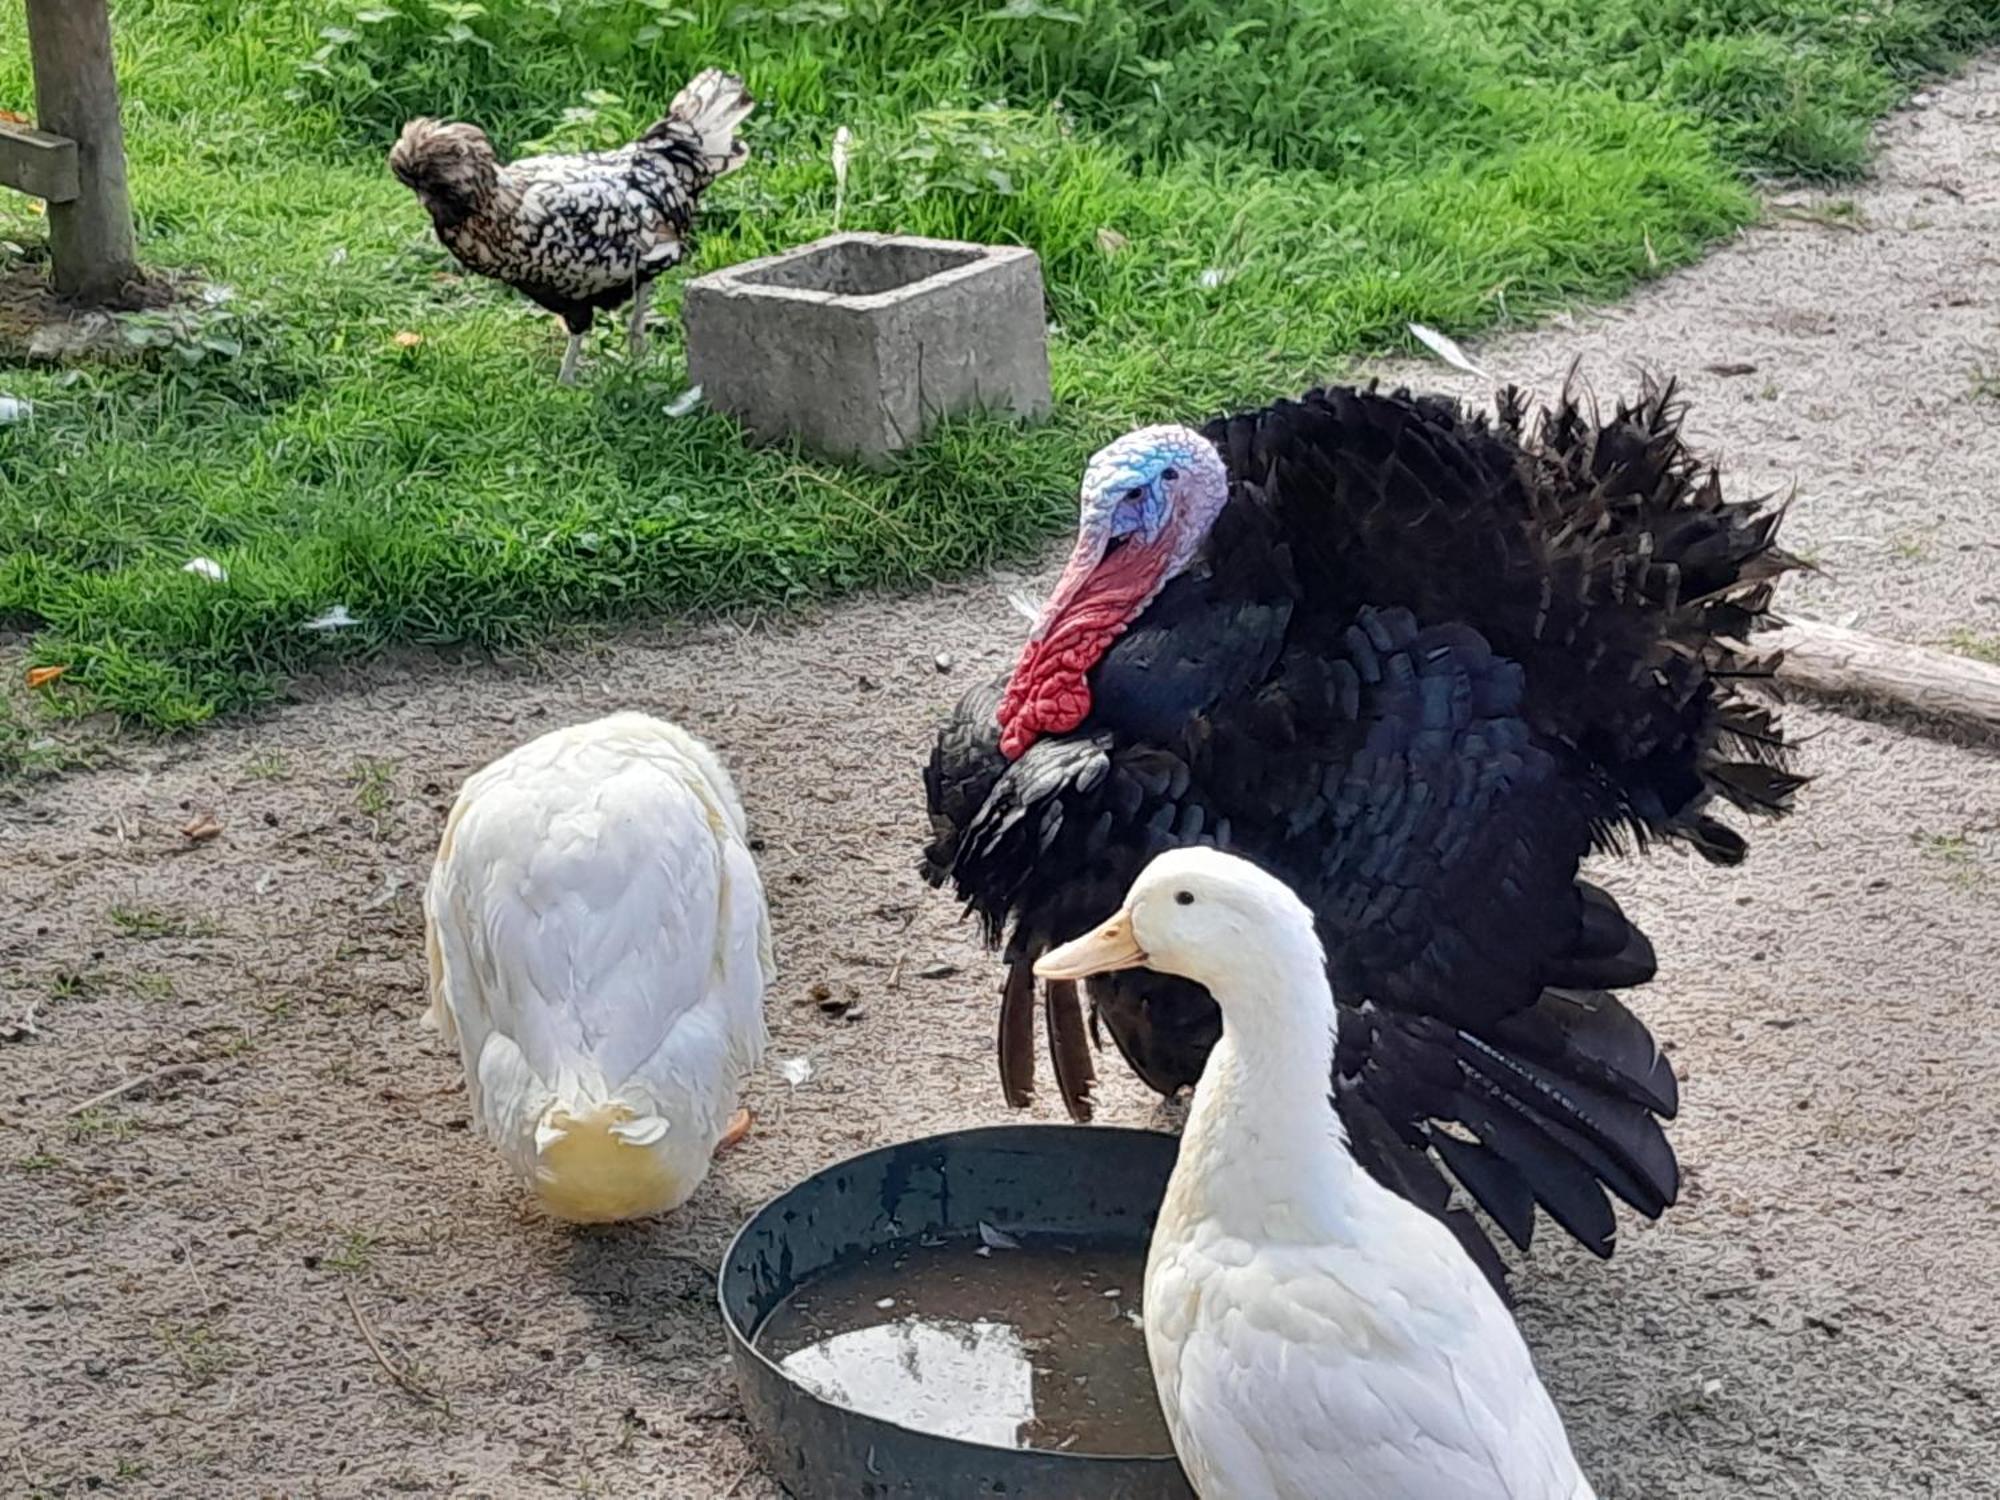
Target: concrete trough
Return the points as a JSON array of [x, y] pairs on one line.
[[857, 343]]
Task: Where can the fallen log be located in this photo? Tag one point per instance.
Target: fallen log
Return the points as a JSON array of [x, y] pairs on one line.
[[1831, 661]]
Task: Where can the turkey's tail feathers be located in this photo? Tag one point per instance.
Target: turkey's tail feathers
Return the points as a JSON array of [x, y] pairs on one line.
[[1069, 1041], [1668, 583], [1599, 555], [1069, 1048], [1559, 1107], [712, 106], [1017, 1034]]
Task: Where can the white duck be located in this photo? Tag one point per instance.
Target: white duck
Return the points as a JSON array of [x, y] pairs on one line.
[[1312, 1333], [599, 949]]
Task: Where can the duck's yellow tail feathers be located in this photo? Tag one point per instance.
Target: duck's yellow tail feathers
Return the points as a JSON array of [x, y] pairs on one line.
[[599, 1166]]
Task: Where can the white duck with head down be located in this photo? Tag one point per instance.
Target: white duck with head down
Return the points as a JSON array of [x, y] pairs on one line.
[[599, 950], [1311, 1333]]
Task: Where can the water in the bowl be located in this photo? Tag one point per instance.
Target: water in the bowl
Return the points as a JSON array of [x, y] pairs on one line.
[[1036, 1346]]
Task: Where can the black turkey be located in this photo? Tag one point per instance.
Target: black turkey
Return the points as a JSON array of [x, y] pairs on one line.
[[1418, 664]]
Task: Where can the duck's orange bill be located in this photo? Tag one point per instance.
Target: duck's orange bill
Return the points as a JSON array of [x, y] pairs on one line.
[[1112, 946]]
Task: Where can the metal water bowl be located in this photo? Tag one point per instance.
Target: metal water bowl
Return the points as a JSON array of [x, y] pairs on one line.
[[1093, 1184]]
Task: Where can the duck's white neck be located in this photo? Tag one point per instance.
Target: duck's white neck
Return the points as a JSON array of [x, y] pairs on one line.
[[1264, 1153]]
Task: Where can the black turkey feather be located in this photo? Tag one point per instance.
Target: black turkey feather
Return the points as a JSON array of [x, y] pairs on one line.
[[1418, 664]]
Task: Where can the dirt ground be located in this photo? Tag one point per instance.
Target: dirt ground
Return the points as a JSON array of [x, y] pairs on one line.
[[36, 324], [185, 1269]]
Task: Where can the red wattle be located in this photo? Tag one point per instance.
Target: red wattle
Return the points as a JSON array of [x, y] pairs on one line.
[[1049, 691]]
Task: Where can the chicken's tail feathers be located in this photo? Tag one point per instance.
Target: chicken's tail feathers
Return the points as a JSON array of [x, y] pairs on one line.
[[712, 106]]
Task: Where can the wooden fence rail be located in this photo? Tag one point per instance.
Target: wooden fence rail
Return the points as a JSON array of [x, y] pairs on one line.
[[75, 160]]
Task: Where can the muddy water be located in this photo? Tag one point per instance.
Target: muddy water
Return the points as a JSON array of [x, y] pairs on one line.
[[1033, 1347]]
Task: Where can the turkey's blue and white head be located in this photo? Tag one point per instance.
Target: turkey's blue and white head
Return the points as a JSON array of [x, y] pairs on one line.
[[1148, 501]]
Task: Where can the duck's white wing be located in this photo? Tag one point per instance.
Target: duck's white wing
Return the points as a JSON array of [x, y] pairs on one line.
[[588, 917], [1295, 1384], [750, 966]]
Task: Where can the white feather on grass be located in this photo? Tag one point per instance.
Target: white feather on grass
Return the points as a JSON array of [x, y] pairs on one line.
[[843, 146], [1025, 605], [1447, 350], [336, 618]]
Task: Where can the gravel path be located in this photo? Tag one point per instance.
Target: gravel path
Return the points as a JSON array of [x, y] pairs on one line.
[[182, 1268]]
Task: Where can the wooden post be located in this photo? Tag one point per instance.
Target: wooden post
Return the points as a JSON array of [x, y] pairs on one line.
[[76, 95]]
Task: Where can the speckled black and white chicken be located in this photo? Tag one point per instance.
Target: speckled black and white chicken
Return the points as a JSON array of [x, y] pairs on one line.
[[582, 233]]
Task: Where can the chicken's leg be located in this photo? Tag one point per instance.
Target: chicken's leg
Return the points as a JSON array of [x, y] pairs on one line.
[[635, 332], [567, 375]]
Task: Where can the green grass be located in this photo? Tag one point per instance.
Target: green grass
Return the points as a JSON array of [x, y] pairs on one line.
[[1983, 648], [374, 783], [28, 751], [101, 1125], [1340, 166], [355, 1253], [157, 988], [147, 923]]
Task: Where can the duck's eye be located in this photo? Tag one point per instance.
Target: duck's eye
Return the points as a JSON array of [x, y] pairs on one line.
[[1184, 898], [1170, 473]]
